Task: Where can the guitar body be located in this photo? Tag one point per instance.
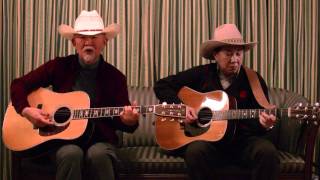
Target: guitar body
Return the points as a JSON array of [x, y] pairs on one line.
[[19, 134], [172, 134]]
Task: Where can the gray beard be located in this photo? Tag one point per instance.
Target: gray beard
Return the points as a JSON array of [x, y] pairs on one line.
[[89, 66], [89, 58]]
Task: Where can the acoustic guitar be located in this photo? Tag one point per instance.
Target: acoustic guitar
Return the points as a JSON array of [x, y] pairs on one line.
[[70, 113], [213, 115]]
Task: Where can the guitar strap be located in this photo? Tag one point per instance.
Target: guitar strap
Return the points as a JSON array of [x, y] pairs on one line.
[[257, 89]]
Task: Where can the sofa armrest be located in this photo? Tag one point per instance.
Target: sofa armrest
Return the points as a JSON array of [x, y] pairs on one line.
[[288, 132], [308, 142], [294, 135]]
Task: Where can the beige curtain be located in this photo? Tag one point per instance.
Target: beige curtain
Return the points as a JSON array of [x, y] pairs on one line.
[[162, 37]]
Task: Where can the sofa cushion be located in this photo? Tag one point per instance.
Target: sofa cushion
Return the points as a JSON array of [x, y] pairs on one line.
[[148, 160], [291, 163]]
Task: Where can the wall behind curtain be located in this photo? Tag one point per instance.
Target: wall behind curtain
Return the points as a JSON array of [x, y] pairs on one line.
[[162, 37]]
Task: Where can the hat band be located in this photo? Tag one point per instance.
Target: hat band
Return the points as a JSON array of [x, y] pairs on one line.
[[233, 41], [86, 30]]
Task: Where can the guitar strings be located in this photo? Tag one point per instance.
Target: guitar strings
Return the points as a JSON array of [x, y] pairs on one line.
[[238, 111]]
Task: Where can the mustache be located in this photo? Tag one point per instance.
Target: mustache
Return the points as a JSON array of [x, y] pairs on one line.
[[88, 48]]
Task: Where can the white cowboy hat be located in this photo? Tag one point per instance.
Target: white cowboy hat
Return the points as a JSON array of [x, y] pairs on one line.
[[89, 23], [224, 35]]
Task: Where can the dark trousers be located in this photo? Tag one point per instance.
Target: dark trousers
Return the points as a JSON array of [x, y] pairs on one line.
[[257, 153], [98, 161]]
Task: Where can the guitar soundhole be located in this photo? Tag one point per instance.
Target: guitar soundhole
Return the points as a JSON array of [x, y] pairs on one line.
[[62, 115], [204, 116]]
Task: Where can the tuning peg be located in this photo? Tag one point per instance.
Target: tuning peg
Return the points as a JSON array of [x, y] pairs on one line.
[[317, 104], [171, 119], [164, 103], [180, 105], [163, 119], [315, 123]]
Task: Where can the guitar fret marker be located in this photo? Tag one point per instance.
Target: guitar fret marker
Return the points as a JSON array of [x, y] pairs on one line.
[[95, 113], [161, 109]]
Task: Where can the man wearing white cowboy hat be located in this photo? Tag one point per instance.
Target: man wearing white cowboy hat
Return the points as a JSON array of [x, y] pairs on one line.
[[106, 86], [247, 147]]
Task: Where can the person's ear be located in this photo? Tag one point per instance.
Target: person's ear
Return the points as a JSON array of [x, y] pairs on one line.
[[73, 42], [214, 53]]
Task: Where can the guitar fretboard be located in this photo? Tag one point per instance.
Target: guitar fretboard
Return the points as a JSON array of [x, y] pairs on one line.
[[107, 112], [247, 113]]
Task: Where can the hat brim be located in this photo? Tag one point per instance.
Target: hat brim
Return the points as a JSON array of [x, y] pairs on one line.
[[110, 31], [207, 47]]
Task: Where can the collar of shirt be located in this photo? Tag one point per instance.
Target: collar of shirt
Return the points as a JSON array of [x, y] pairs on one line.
[[224, 80], [89, 66]]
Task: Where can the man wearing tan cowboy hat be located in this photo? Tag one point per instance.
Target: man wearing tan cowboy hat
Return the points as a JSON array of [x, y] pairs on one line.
[[106, 86], [243, 143]]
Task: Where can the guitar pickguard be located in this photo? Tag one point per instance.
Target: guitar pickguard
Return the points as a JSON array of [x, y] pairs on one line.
[[52, 130]]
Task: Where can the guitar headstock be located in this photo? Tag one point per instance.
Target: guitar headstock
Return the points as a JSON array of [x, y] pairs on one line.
[[170, 110], [306, 112]]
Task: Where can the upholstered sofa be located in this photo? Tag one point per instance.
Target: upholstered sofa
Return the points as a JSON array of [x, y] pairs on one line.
[[141, 157]]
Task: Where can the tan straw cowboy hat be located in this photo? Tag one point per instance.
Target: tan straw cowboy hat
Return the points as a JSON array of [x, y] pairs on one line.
[[89, 23], [224, 35]]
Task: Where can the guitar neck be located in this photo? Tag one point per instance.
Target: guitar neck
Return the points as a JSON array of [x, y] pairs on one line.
[[108, 111], [248, 113]]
